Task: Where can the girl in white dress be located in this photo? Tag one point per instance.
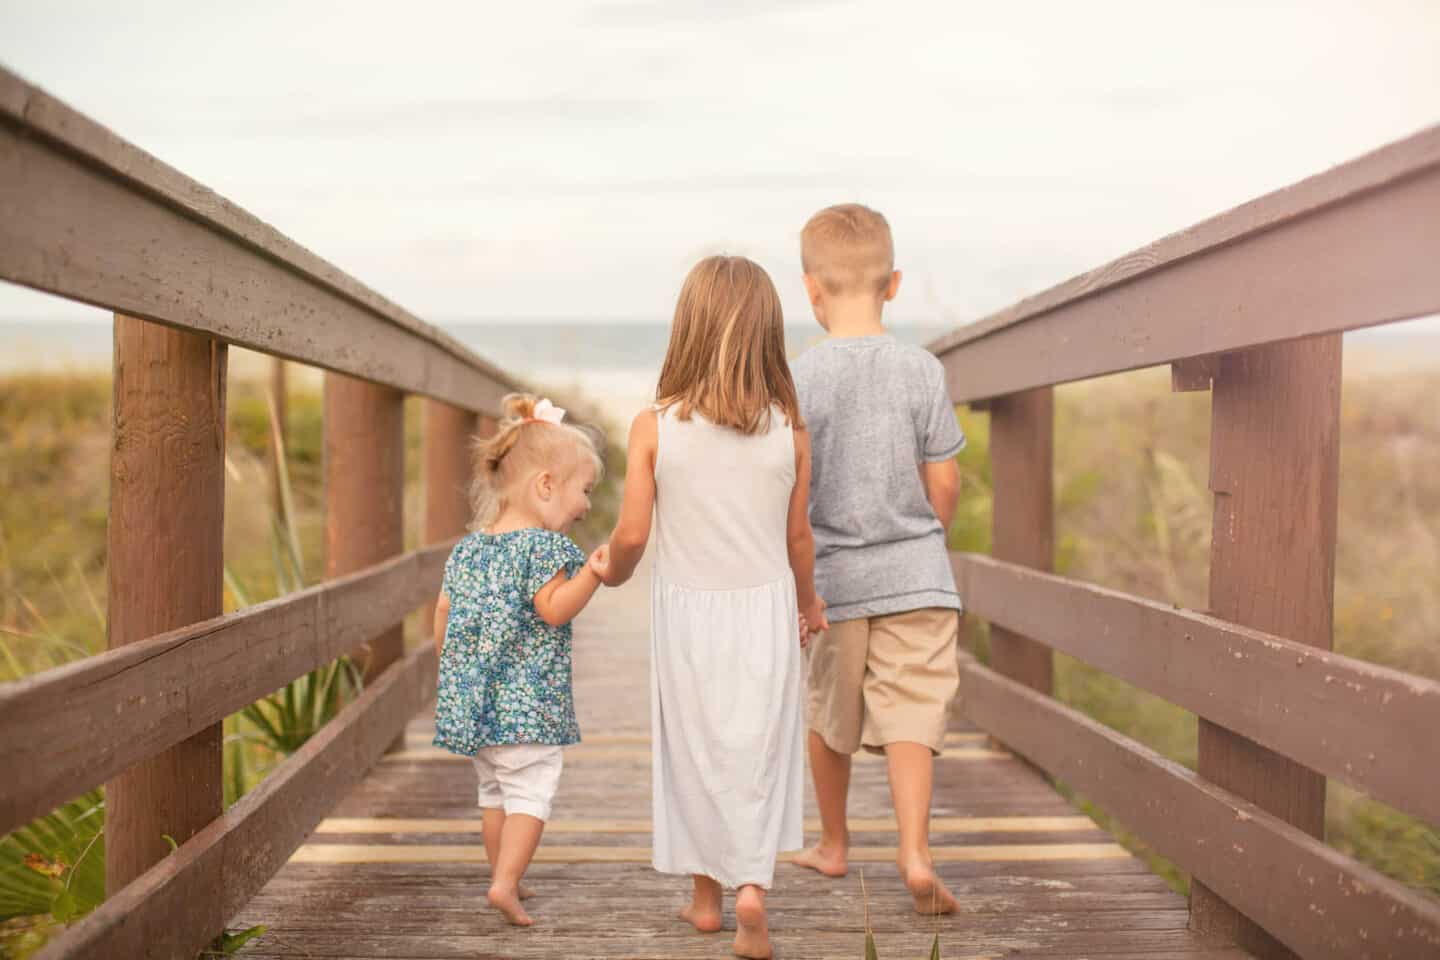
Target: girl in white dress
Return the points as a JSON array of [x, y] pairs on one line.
[[723, 461]]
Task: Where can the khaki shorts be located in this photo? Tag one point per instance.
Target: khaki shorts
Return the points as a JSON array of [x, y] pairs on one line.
[[882, 680]]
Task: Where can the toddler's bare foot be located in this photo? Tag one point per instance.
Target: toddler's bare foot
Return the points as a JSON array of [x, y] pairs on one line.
[[704, 918], [507, 901], [752, 930], [828, 860], [930, 893], [525, 892]]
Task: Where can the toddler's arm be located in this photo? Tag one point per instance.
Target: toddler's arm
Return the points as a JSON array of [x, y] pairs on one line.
[[942, 489], [442, 617], [800, 540], [632, 530], [563, 597]]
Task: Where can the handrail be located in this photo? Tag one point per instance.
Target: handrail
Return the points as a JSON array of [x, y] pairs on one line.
[[91, 217], [1352, 247]]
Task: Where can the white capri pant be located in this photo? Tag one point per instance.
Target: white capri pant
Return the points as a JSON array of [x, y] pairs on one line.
[[519, 778]]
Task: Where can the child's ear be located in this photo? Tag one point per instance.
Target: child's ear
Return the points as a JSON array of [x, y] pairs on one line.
[[812, 289], [544, 486], [893, 287]]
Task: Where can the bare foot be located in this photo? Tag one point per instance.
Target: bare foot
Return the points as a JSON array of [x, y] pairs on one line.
[[830, 861], [752, 931], [525, 892], [705, 919], [507, 901], [930, 893]]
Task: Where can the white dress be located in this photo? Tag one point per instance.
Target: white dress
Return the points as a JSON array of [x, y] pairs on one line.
[[725, 663]]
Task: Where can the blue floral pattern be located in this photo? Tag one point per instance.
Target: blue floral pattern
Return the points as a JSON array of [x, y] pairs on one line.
[[505, 674]]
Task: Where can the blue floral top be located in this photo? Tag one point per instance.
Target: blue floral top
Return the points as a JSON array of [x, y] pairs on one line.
[[504, 672]]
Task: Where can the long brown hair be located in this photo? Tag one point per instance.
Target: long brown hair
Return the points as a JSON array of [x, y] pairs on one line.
[[726, 358]]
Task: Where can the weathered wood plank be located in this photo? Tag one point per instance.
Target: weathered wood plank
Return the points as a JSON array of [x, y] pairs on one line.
[[1349, 248], [93, 218], [167, 513], [160, 915], [610, 825], [133, 701], [1312, 898], [1364, 724], [449, 432]]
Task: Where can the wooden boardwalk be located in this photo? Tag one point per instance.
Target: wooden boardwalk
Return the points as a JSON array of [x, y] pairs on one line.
[[398, 869]]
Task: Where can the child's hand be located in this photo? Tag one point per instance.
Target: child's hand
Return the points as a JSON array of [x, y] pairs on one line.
[[599, 562], [813, 620], [804, 633]]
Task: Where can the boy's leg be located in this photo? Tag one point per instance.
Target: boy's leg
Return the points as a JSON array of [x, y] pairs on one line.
[[528, 775], [703, 910], [912, 677], [835, 674], [752, 926]]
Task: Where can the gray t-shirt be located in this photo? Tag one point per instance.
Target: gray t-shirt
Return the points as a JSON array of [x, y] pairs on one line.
[[876, 409]]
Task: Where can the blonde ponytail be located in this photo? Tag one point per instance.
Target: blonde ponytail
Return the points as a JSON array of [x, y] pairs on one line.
[[521, 446]]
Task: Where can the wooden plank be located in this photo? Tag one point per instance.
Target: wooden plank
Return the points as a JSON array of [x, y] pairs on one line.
[[1275, 473], [1022, 445], [581, 751], [177, 906], [365, 493], [1350, 248], [91, 217], [446, 470], [167, 520], [358, 825], [1314, 899], [1361, 723], [595, 853], [131, 702]]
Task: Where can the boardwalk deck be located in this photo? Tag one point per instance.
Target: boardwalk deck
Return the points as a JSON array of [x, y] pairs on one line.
[[398, 869]]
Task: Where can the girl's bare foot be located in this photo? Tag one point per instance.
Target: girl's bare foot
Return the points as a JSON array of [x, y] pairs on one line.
[[825, 859], [930, 893], [507, 901], [752, 930], [702, 918]]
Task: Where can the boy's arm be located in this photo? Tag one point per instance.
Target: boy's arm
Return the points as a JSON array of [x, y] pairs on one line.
[[563, 597], [442, 617], [800, 539], [942, 489], [632, 530]]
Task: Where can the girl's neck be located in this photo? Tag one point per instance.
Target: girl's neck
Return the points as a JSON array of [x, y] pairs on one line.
[[512, 519]]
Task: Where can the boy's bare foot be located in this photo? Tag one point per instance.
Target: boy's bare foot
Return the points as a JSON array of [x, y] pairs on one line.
[[507, 901], [830, 861], [703, 918], [930, 893], [752, 931]]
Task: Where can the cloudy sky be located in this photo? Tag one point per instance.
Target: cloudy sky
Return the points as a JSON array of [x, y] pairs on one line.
[[571, 159]]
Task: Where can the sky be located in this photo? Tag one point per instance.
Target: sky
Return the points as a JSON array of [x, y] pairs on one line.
[[573, 159]]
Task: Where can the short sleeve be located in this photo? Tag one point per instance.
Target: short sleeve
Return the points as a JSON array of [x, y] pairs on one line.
[[453, 565], [549, 553], [943, 437]]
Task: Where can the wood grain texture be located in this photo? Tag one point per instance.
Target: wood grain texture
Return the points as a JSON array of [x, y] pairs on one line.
[[397, 825], [167, 518], [1361, 723], [133, 701], [1314, 899], [1275, 473], [1360, 255], [365, 493], [93, 218], [596, 853], [446, 470], [1022, 457], [181, 903]]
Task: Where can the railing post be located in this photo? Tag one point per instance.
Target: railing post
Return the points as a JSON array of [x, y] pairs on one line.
[[448, 431], [166, 526], [1274, 470], [364, 491], [1022, 440]]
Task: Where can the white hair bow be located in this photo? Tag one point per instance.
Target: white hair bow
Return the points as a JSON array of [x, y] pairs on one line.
[[547, 411]]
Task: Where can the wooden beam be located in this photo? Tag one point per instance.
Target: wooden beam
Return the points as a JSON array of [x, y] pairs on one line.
[[141, 238], [365, 492], [1314, 899], [134, 701], [167, 512], [175, 908], [449, 433], [1275, 472], [1193, 375], [1358, 722], [1349, 248], [1022, 442]]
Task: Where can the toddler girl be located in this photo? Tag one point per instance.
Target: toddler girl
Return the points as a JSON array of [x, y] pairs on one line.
[[724, 461], [502, 630]]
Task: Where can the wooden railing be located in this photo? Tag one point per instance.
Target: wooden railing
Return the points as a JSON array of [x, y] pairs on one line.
[[1251, 305], [87, 216]]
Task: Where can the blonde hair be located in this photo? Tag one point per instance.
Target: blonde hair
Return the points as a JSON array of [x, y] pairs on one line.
[[848, 248], [521, 446], [726, 359]]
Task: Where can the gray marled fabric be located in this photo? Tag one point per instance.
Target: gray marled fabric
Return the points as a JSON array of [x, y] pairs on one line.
[[876, 409]]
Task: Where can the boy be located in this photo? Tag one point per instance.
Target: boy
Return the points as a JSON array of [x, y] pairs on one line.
[[882, 494]]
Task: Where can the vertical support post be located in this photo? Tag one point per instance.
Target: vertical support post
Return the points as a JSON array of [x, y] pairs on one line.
[[448, 431], [365, 491], [279, 395], [166, 530], [1274, 470], [1022, 445]]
